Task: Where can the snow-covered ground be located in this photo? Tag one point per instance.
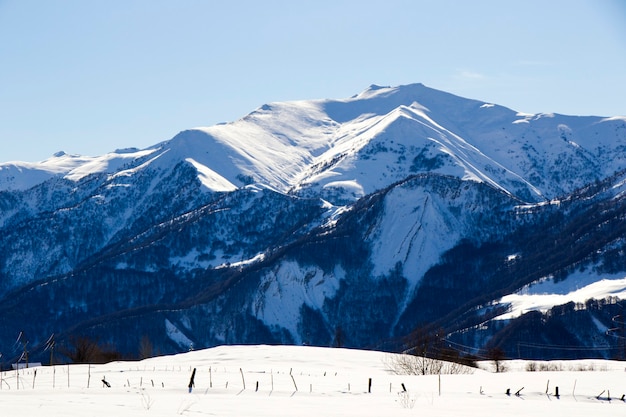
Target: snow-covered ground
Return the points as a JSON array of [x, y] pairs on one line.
[[308, 381]]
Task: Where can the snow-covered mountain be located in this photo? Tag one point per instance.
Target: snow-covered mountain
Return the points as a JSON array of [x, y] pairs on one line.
[[348, 221]]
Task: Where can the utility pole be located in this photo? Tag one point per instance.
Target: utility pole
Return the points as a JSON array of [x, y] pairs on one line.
[[50, 346], [25, 355], [619, 332], [622, 335], [20, 339]]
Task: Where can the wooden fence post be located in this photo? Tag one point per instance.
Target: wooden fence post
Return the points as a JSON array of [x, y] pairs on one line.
[[242, 378], [192, 383], [294, 381]]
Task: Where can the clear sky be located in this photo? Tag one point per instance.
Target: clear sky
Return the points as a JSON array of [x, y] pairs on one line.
[[90, 76]]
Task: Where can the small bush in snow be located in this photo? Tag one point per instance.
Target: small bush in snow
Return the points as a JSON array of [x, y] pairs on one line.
[[403, 364]]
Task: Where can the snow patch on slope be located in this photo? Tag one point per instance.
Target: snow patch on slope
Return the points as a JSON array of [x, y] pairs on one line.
[[108, 163], [177, 336], [275, 143], [553, 294], [289, 287], [413, 232], [211, 179]]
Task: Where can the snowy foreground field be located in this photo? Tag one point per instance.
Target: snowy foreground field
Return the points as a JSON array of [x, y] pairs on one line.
[[307, 381]]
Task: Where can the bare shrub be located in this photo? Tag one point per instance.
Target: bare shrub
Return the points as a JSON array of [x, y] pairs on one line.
[[146, 400], [405, 400], [403, 364], [550, 367]]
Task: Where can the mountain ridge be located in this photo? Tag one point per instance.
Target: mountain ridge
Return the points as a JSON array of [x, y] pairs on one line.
[[279, 227], [279, 143]]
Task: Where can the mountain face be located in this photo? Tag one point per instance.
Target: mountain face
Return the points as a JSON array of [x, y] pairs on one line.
[[348, 222]]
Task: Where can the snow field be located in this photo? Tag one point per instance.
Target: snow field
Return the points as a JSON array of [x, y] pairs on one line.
[[306, 381]]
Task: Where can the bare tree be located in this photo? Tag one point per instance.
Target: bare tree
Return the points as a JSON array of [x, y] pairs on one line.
[[339, 337], [146, 349], [426, 355], [85, 350], [423, 344], [497, 356]]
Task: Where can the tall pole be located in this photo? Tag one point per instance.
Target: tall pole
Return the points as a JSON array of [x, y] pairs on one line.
[[619, 332], [26, 354], [622, 340], [50, 346]]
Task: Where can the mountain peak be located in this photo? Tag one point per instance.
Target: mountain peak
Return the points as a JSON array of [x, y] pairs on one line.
[[300, 144], [270, 227]]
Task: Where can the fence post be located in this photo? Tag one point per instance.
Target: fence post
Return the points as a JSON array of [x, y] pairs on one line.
[[440, 384], [191, 380], [294, 381]]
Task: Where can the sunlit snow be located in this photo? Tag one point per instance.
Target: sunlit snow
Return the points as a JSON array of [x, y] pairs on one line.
[[260, 381], [544, 296]]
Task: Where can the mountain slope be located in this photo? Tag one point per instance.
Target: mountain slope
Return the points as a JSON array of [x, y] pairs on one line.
[[349, 221]]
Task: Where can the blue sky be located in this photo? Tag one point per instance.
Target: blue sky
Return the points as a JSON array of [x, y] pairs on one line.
[[88, 77]]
